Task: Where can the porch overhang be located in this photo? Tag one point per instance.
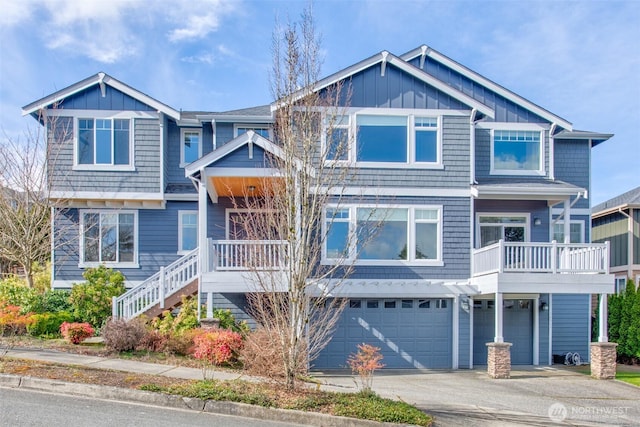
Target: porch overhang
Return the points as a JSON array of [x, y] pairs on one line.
[[553, 192], [527, 283], [240, 182]]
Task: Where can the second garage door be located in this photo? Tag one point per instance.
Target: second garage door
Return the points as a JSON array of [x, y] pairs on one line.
[[411, 333]]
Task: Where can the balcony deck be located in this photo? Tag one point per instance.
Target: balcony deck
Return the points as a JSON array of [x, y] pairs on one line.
[[542, 268]]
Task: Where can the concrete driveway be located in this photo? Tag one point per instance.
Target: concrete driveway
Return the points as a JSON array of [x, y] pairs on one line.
[[533, 396]]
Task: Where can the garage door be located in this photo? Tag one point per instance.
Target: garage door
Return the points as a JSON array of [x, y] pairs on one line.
[[517, 329], [411, 333]]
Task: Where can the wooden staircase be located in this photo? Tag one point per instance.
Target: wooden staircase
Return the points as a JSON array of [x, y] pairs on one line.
[[162, 291]]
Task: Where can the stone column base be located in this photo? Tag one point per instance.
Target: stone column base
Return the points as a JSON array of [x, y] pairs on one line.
[[499, 360], [210, 323], [603, 360]]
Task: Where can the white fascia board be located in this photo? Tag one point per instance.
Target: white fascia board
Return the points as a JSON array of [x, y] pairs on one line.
[[543, 192], [376, 288], [404, 66], [101, 195], [100, 78], [396, 191], [225, 118], [472, 75], [181, 197]]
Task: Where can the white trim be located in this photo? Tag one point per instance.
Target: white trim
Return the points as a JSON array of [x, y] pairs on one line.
[[101, 79], [103, 195], [536, 331], [103, 114], [411, 230], [574, 212], [183, 132], [162, 146], [526, 225], [455, 332], [541, 127], [518, 193], [87, 264], [550, 302], [483, 81], [397, 191], [181, 214], [471, 331], [528, 172], [103, 166], [183, 197]]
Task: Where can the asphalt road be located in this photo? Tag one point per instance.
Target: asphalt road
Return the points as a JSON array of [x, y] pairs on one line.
[[22, 408]]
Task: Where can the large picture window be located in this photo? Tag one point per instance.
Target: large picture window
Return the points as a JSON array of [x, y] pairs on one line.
[[379, 235], [108, 237], [104, 141], [379, 140], [516, 152]]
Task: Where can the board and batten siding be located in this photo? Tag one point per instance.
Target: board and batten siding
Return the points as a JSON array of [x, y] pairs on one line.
[[613, 228], [455, 243], [92, 99], [505, 110], [144, 179], [571, 324]]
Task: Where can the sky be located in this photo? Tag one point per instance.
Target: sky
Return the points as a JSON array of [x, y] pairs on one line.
[[577, 59]]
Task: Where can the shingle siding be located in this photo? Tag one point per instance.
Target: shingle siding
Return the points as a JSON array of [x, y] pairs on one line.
[[572, 164]]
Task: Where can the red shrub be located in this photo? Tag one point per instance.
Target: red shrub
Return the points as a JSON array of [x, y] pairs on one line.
[[75, 333], [217, 346]]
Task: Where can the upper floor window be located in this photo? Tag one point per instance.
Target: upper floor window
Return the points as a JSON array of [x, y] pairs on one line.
[[516, 152], [262, 130], [494, 227], [108, 237], [190, 145], [104, 141], [379, 235], [187, 231], [386, 140], [576, 232]]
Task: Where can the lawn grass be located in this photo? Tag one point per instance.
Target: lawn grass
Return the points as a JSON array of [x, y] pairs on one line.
[[628, 374], [362, 405]]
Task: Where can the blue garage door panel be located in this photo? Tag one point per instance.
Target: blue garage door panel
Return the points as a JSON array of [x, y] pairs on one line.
[[411, 333]]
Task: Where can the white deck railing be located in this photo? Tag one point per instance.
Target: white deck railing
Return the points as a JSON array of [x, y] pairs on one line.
[[530, 257], [158, 287], [244, 255]]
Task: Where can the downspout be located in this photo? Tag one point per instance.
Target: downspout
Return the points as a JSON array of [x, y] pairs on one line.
[[472, 146], [552, 163], [578, 196]]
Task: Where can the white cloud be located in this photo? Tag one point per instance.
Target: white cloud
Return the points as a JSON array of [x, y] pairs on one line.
[[203, 58], [198, 21], [14, 12]]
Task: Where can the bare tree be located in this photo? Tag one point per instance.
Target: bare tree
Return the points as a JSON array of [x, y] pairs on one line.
[[295, 299], [25, 208]]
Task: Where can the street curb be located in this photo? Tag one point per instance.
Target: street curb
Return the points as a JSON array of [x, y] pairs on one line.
[[186, 403]]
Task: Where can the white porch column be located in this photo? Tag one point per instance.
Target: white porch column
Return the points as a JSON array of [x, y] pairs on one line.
[[603, 316], [567, 221], [536, 331], [202, 223], [209, 305], [499, 337]]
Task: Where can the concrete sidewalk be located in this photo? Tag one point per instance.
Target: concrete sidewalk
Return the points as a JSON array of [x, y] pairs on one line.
[[533, 396]]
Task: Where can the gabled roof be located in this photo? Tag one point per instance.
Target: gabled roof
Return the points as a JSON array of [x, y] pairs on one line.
[[425, 50], [385, 58], [630, 199], [101, 79], [249, 137]]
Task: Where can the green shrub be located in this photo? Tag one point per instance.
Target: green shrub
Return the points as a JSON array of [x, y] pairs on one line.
[[48, 324], [14, 291], [228, 321], [123, 335], [51, 301], [91, 301], [187, 318]]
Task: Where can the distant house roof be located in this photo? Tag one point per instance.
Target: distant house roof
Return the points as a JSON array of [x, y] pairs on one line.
[[101, 79], [630, 199]]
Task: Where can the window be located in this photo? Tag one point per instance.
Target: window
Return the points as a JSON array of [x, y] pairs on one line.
[[262, 130], [382, 234], [385, 140], [516, 152], [108, 237], [187, 231], [372, 304], [355, 303], [338, 139], [389, 304], [576, 232], [190, 145], [621, 285], [510, 228], [407, 303], [104, 142]]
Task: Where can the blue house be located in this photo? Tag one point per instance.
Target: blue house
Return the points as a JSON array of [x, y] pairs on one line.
[[485, 236]]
